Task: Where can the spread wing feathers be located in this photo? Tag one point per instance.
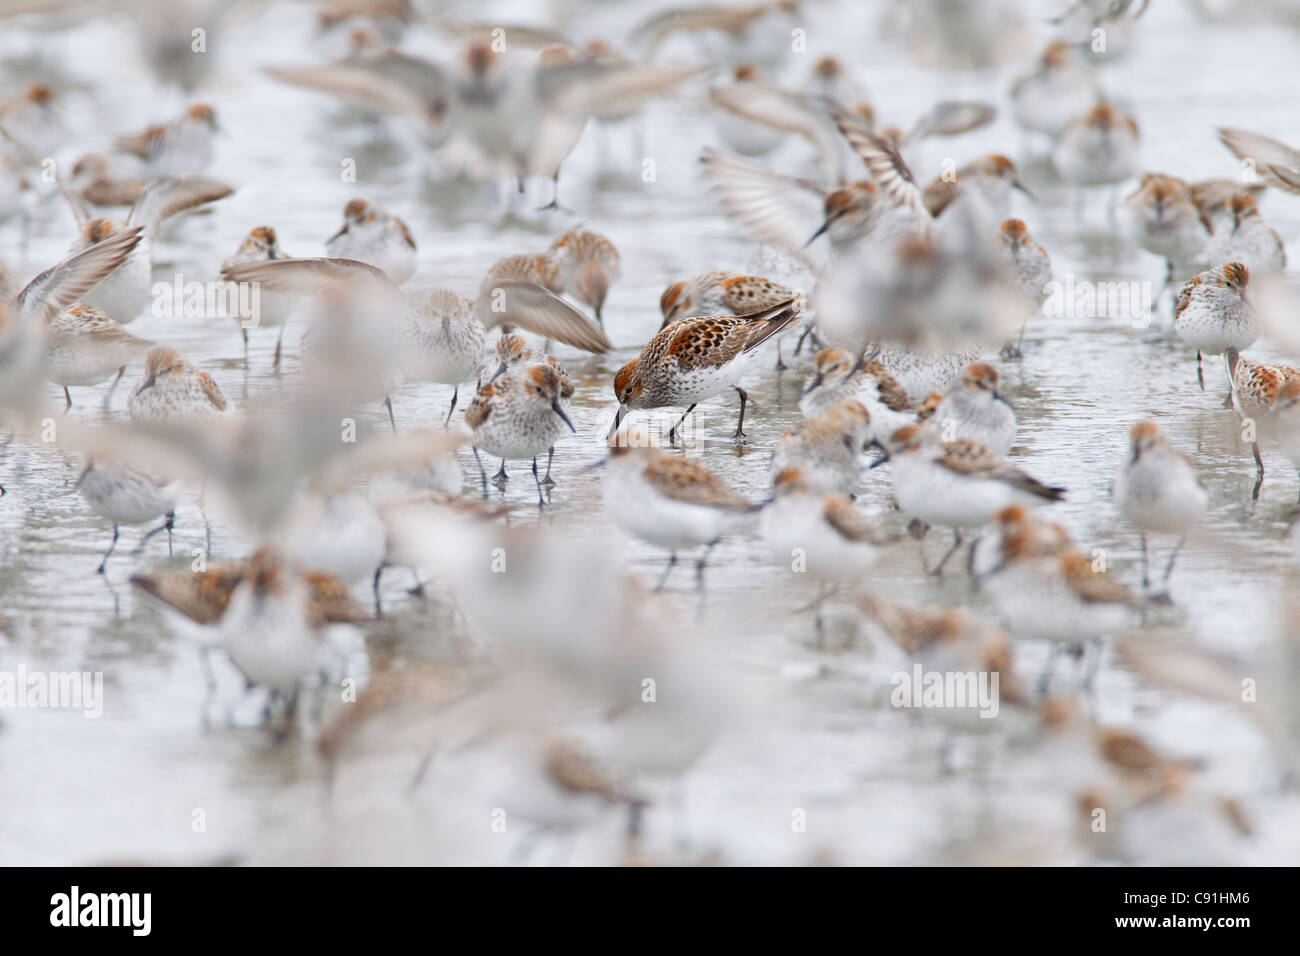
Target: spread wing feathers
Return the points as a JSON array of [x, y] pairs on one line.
[[659, 26], [774, 321], [952, 118], [682, 479], [97, 326], [777, 209], [888, 169], [520, 34], [1263, 151], [976, 461], [165, 197], [1288, 179], [388, 83], [308, 277], [788, 112], [65, 284], [606, 90], [538, 310]]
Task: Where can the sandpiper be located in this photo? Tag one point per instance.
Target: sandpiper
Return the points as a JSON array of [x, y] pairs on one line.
[[1255, 390], [837, 375], [518, 416], [588, 265], [83, 346], [182, 146], [668, 501], [274, 308], [694, 359], [956, 484], [828, 449], [171, 391], [975, 410], [372, 235], [127, 291], [1213, 312], [1057, 90], [1098, 148], [1031, 271], [1157, 489], [1244, 237], [125, 495]]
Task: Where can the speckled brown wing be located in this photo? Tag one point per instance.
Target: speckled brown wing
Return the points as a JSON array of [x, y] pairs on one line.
[[1185, 295], [970, 458], [892, 395], [481, 406], [1092, 586], [211, 392], [688, 481], [744, 294], [708, 340], [849, 522]]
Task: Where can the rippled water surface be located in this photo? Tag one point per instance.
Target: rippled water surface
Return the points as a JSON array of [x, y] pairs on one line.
[[812, 734]]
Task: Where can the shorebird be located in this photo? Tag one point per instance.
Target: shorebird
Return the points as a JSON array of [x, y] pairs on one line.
[[1158, 490], [518, 416], [668, 501], [694, 359]]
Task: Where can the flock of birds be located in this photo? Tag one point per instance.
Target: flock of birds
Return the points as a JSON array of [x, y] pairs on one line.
[[899, 296]]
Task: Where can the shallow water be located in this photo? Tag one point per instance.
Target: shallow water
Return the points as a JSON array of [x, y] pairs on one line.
[[811, 733]]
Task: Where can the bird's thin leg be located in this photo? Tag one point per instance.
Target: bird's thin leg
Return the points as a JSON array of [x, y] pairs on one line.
[[1045, 678], [388, 403], [1091, 664], [244, 332], [548, 481], [279, 341], [483, 472], [672, 562], [455, 393], [112, 388], [1169, 568], [1146, 580], [672, 432], [149, 534], [374, 586], [1200, 374], [1259, 464], [541, 498], [109, 551], [67, 396], [501, 477], [740, 424], [702, 564], [798, 346], [938, 568], [780, 365]]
